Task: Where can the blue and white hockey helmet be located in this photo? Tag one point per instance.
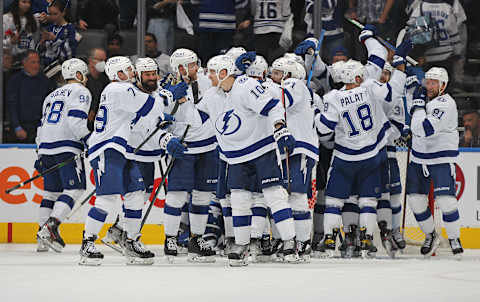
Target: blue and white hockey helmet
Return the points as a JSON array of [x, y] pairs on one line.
[[71, 67], [145, 64], [182, 57], [117, 64], [284, 65], [259, 68], [219, 63]]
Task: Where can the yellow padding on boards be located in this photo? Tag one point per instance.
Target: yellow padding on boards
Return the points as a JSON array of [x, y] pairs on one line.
[[72, 233]]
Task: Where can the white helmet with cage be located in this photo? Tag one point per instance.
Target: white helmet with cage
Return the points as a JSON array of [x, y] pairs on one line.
[[259, 68], [71, 67], [351, 70], [117, 64], [285, 65], [219, 63], [182, 57], [440, 74], [296, 58]]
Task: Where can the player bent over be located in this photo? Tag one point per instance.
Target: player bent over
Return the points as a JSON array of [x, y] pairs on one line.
[[60, 138], [434, 153]]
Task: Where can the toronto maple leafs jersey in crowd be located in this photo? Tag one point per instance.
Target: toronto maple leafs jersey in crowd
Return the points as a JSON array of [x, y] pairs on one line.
[[121, 106], [270, 15], [435, 135], [200, 137], [243, 118], [64, 121], [298, 102]]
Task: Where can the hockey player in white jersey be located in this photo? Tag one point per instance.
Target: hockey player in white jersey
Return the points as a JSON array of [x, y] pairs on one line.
[[297, 101], [357, 117], [60, 137], [121, 107], [195, 173], [249, 125], [434, 153]]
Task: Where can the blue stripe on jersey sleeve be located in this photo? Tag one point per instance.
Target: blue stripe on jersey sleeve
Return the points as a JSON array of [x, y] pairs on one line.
[[204, 116], [377, 61], [330, 125], [428, 128], [289, 97], [77, 113], [388, 98], [269, 106]]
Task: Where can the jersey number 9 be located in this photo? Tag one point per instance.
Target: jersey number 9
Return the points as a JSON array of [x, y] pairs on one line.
[[101, 119]]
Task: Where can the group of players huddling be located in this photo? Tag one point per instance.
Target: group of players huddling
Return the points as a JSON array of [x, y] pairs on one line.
[[244, 140]]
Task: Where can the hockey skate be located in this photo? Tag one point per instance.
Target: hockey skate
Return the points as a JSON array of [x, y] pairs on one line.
[[386, 239], [255, 250], [369, 250], [170, 248], [115, 238], [304, 250], [318, 249], [289, 251], [200, 251], [456, 246], [430, 245], [329, 243], [349, 245], [238, 255], [183, 238], [229, 242], [89, 255], [398, 239], [136, 253], [266, 248], [277, 249], [41, 246], [50, 236]]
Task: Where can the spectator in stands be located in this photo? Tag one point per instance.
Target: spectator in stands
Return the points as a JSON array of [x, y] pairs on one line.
[[90, 18], [471, 135], [332, 23], [21, 29], [97, 80], [58, 43], [151, 51], [161, 15], [114, 45], [268, 25], [217, 24], [26, 91], [186, 29], [40, 10], [374, 12], [128, 12], [448, 50]]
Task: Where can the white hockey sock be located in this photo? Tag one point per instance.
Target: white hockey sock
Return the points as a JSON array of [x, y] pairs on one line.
[[303, 225], [44, 211], [450, 215], [134, 203], [350, 215], [275, 233], [198, 211], [276, 198], [242, 215], [94, 222], [259, 220], [65, 203], [368, 214], [227, 216], [384, 212], [333, 214], [173, 211], [419, 205], [396, 205]]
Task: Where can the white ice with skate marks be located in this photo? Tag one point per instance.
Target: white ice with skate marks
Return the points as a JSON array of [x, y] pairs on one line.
[[29, 276]]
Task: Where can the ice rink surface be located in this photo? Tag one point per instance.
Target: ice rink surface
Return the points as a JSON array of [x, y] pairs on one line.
[[37, 277]]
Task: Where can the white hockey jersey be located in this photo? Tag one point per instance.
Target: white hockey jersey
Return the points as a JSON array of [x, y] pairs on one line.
[[121, 107], [435, 135], [243, 118], [200, 137], [270, 15], [300, 113], [64, 121], [396, 115]]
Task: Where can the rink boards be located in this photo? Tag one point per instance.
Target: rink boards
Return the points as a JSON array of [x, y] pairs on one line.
[[18, 210]]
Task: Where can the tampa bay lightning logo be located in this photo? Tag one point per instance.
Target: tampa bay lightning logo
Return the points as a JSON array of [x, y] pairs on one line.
[[228, 123]]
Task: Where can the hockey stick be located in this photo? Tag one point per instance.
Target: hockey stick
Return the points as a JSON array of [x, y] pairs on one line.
[[169, 168], [315, 55], [81, 204], [287, 163], [162, 174], [49, 170], [381, 40]]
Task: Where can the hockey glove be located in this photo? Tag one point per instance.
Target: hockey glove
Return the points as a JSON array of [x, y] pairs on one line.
[[398, 60], [284, 139], [39, 165], [305, 45], [173, 145], [166, 121], [368, 31], [179, 91], [404, 48], [245, 60], [419, 97], [406, 136]]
